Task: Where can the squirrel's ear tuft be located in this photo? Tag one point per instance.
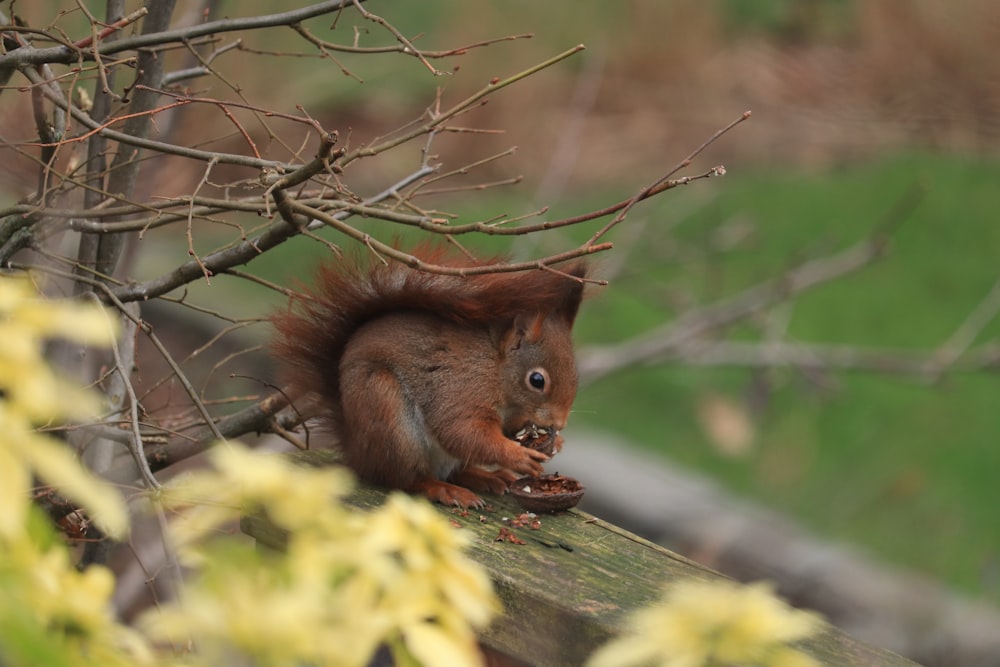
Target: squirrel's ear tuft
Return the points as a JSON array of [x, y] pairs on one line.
[[522, 328], [569, 304], [529, 327]]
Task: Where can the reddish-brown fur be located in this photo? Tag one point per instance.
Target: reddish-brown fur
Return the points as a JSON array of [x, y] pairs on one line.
[[424, 377]]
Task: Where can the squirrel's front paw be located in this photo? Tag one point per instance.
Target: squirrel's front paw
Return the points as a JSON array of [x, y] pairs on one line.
[[528, 461]]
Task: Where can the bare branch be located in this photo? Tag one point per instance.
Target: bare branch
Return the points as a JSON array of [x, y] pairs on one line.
[[691, 327], [956, 346], [159, 146], [276, 233], [665, 181], [397, 48], [666, 341], [438, 120], [135, 442], [108, 293], [783, 354], [111, 28], [66, 55], [408, 46]]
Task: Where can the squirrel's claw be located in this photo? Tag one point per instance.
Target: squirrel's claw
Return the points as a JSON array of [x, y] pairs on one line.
[[448, 494]]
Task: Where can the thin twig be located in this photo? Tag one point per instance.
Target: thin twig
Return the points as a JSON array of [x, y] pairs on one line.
[[597, 362], [135, 443], [414, 262], [190, 222], [177, 76], [963, 337], [408, 46], [69, 54], [398, 48], [469, 102], [660, 184], [109, 293], [150, 144], [114, 27], [781, 354]]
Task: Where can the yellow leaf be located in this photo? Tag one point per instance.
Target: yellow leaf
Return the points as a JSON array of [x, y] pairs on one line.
[[14, 488], [85, 323], [431, 646], [59, 467]]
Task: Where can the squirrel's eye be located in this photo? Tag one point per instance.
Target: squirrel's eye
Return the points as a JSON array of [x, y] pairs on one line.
[[537, 379]]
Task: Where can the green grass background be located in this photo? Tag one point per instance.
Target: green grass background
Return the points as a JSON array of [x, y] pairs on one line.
[[902, 466]]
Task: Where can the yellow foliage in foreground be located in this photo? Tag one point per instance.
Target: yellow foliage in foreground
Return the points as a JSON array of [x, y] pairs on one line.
[[708, 623], [50, 613], [347, 582], [33, 395]]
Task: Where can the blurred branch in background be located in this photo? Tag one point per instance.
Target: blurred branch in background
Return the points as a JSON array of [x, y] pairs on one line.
[[693, 337]]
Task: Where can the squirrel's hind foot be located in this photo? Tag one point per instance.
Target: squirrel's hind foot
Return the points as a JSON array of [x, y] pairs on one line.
[[447, 494], [487, 481]]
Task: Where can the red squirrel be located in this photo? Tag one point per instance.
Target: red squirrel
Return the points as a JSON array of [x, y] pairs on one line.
[[427, 379]]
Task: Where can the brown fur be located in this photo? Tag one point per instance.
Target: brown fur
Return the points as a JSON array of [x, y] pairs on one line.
[[424, 377]]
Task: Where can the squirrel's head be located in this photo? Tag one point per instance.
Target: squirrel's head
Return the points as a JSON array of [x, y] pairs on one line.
[[538, 366]]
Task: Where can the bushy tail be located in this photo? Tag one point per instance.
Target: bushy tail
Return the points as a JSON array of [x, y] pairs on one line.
[[312, 333]]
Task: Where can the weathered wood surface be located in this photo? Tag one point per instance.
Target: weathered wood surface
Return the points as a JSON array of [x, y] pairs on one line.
[[568, 589], [890, 606]]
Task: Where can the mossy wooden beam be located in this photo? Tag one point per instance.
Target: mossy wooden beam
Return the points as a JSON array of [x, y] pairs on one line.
[[567, 589]]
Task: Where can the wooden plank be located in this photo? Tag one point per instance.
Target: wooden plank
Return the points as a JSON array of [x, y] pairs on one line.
[[568, 589]]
